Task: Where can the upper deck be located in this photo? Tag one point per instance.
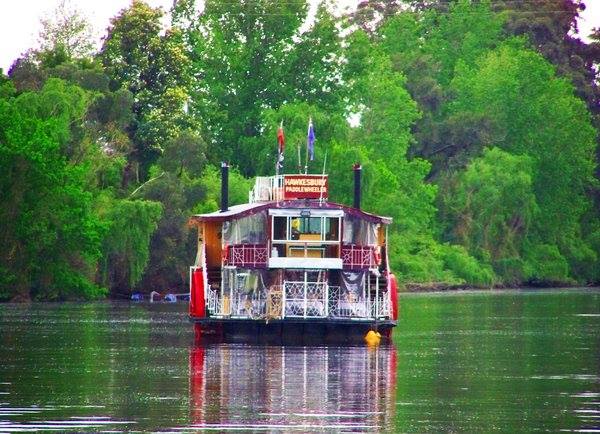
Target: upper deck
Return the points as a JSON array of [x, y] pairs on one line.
[[290, 224], [289, 187]]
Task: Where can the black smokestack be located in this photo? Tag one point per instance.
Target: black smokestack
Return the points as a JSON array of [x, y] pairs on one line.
[[224, 187], [357, 172]]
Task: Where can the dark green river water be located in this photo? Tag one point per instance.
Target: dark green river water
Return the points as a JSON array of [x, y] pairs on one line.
[[460, 362]]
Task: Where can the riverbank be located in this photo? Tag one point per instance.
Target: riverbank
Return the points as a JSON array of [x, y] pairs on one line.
[[443, 287]]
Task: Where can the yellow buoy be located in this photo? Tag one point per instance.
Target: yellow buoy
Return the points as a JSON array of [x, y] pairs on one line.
[[372, 338]]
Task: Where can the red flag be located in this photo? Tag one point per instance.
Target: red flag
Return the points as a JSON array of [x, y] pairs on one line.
[[281, 138]]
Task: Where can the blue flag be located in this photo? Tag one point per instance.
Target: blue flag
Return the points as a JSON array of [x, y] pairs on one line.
[[310, 140]]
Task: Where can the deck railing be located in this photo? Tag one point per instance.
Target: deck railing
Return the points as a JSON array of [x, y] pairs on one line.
[[267, 189], [247, 255], [343, 304], [298, 299], [257, 255], [215, 305], [358, 257], [250, 305], [305, 299]]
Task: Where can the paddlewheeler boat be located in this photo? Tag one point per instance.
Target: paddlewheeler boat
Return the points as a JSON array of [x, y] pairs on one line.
[[290, 266]]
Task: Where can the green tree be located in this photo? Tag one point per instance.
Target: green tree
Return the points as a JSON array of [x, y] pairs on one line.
[[490, 209], [126, 247], [535, 113], [551, 28], [425, 44], [254, 55], [155, 68], [50, 234]]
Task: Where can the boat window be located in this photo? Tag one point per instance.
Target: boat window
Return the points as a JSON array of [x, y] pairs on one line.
[[359, 231], [290, 229], [280, 228], [332, 228], [311, 225], [306, 228], [246, 230]]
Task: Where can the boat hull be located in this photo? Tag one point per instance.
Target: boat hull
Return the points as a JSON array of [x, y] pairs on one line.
[[288, 331]]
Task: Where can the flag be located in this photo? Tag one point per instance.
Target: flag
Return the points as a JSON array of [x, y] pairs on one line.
[[280, 147], [310, 140], [280, 138]]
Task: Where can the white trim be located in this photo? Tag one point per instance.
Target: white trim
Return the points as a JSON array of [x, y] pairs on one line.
[[322, 232], [306, 263], [296, 212]]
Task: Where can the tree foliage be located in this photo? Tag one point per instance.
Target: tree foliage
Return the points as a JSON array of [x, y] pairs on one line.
[[67, 32], [125, 249], [475, 123], [517, 89], [51, 236], [253, 56], [155, 68]]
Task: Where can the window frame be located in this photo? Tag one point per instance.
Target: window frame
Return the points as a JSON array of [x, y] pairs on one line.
[[322, 232]]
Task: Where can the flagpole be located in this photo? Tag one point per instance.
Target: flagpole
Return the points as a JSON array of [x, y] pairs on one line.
[[306, 164], [299, 159], [280, 149], [306, 161], [322, 187]]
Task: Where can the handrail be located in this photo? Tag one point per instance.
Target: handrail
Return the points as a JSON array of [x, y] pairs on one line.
[[247, 255], [358, 256], [299, 299], [267, 189]]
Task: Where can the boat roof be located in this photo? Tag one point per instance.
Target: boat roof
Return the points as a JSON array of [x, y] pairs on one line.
[[247, 209]]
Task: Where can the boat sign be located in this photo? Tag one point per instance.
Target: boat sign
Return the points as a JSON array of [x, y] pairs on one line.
[[305, 187]]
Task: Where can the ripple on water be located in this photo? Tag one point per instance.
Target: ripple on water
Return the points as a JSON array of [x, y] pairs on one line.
[[71, 424], [581, 377], [586, 395], [301, 427]]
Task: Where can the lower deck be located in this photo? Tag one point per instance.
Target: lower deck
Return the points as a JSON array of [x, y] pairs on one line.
[[237, 293], [289, 331]]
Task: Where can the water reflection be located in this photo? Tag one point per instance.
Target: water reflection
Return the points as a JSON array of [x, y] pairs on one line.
[[292, 388], [463, 362]]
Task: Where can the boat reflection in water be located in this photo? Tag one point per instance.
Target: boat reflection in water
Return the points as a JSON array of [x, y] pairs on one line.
[[292, 388]]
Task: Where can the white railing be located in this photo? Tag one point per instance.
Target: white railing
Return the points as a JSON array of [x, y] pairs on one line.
[[380, 307], [247, 255], [249, 305], [214, 303], [298, 299], [357, 256], [343, 304], [305, 299], [267, 189]]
